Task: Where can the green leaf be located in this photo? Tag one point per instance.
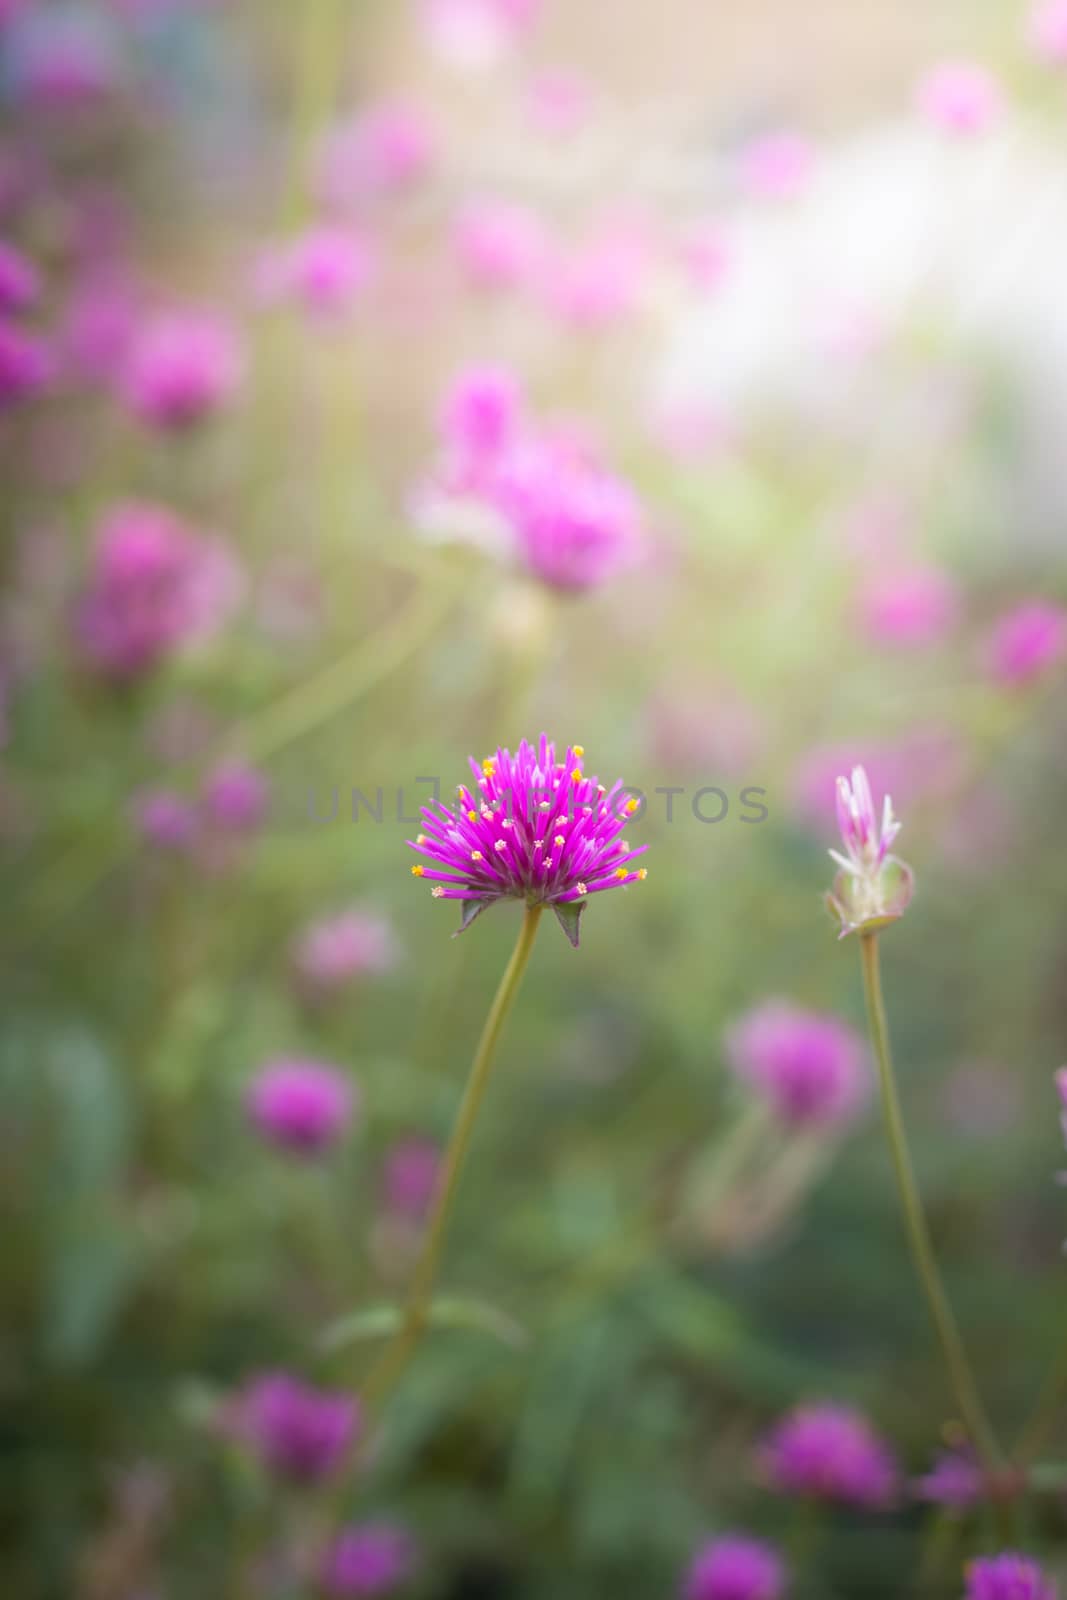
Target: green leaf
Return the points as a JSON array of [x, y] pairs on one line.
[[569, 916], [448, 1311], [469, 910]]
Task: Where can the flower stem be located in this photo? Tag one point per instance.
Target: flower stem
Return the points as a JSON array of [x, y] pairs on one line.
[[1046, 1412], [963, 1384], [404, 1342]]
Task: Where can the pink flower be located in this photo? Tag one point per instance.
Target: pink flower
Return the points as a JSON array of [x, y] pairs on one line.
[[913, 607], [829, 1452], [961, 97], [98, 326], [155, 585], [735, 1568], [872, 887], [559, 101], [481, 419], [475, 34], [409, 1178], [811, 1068], [300, 1433], [1048, 31], [1027, 642], [182, 367], [166, 820], [236, 798], [332, 952], [386, 149], [20, 281], [1008, 1576], [368, 1559], [955, 1481], [706, 256], [778, 165], [599, 282], [324, 269], [500, 245], [301, 1106], [27, 364]]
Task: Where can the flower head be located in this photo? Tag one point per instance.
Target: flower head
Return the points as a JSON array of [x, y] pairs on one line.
[[165, 819], [324, 270], [20, 282], [1008, 1577], [409, 1177], [387, 148], [829, 1452], [236, 798], [301, 1106], [182, 367], [808, 1066], [872, 887], [961, 97], [27, 364], [955, 1481], [155, 585], [332, 952], [735, 1568], [530, 828], [500, 245], [372, 1558], [778, 165], [1027, 641], [299, 1432], [1048, 31]]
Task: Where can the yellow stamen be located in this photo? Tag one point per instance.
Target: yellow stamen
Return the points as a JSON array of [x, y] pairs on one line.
[[437, 892], [420, 838], [581, 888], [631, 807], [621, 872], [476, 855], [576, 775], [472, 816], [579, 750], [488, 766], [559, 840], [418, 871], [642, 873], [501, 844]]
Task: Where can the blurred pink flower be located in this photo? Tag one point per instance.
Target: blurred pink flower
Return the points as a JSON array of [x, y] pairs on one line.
[[810, 1067], [166, 819], [915, 606], [1048, 31], [27, 364], [64, 58], [387, 148], [482, 418], [599, 282], [409, 1177], [500, 245], [927, 762], [778, 165], [301, 1106], [20, 281], [1027, 642], [955, 1481], [299, 1432], [706, 256], [830, 1452], [155, 585], [98, 325], [708, 727], [236, 798], [324, 269], [182, 367], [559, 101], [475, 34], [961, 97], [733, 1567], [334, 951], [367, 1560]]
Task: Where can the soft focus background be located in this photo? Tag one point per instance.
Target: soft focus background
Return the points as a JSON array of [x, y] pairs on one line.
[[381, 382]]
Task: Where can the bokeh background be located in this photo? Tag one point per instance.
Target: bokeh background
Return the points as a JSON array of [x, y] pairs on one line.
[[767, 300]]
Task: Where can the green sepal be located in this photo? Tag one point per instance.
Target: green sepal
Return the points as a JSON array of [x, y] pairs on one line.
[[569, 916]]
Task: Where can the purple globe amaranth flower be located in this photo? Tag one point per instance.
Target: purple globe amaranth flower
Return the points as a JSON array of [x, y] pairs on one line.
[[300, 1433], [955, 1481], [1048, 31], [182, 366], [829, 1452], [1027, 641], [409, 1177], [735, 1568], [872, 888], [961, 97], [531, 828], [387, 148], [481, 419], [155, 585], [20, 282], [301, 1106], [371, 1558], [811, 1068], [166, 820], [236, 798], [27, 364], [500, 245], [332, 952], [1008, 1576], [576, 524], [324, 270]]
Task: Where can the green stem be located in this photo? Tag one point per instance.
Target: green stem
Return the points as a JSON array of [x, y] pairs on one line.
[[963, 1384], [403, 1344]]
